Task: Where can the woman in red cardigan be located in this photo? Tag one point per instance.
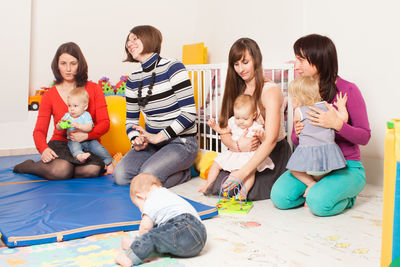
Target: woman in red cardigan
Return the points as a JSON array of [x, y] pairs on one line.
[[57, 163]]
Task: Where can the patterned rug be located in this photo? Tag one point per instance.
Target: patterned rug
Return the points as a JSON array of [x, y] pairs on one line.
[[96, 250]]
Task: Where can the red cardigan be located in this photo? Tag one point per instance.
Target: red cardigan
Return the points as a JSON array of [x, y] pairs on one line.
[[53, 104]]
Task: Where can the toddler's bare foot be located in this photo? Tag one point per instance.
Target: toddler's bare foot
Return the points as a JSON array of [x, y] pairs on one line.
[[123, 260], [82, 157], [110, 168], [126, 242], [203, 189], [307, 207]]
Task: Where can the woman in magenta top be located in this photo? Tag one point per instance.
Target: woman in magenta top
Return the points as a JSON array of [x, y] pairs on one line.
[[316, 56]]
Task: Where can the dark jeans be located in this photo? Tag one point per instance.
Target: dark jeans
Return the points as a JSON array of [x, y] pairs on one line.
[[183, 236]]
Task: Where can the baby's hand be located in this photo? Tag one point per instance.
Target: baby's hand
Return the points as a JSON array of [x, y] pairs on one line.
[[260, 134], [63, 124], [341, 101], [211, 122], [298, 127], [75, 124]]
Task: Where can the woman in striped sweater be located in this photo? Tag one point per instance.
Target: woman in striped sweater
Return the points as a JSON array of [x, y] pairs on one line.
[[161, 89]]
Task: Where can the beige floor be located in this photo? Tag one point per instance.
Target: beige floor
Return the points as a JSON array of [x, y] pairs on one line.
[[292, 237]]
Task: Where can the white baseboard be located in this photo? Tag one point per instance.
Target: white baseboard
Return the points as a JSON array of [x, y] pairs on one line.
[[374, 170], [19, 151]]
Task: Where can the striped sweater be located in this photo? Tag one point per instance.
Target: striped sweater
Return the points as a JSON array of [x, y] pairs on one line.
[[171, 108]]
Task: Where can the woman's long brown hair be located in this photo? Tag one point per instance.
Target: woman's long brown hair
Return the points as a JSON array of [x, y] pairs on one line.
[[235, 85], [320, 51]]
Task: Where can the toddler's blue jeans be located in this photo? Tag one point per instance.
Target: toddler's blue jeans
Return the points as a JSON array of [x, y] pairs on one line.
[[183, 236], [90, 146]]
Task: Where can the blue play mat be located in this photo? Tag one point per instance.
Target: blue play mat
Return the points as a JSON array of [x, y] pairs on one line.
[[35, 211]]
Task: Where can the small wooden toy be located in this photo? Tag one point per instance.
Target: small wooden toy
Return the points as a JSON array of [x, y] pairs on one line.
[[237, 203]]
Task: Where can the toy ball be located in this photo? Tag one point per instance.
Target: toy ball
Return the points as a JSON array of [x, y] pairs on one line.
[[116, 139]]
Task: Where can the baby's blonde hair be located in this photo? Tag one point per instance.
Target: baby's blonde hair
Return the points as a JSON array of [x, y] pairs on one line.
[[246, 101], [143, 182], [81, 93], [305, 90]]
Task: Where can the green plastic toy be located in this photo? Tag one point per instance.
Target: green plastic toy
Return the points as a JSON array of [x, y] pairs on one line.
[[65, 124]]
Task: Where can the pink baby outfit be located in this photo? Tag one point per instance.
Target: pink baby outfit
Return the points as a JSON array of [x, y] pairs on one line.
[[230, 161]]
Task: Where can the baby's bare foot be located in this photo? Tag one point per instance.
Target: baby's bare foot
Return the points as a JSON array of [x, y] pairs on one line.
[[126, 242], [204, 188], [110, 168], [82, 157], [123, 260]]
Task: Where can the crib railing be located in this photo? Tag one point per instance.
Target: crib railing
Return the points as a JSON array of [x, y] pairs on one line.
[[208, 81]]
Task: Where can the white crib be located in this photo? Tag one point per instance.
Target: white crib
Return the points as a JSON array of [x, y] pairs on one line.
[[208, 81]]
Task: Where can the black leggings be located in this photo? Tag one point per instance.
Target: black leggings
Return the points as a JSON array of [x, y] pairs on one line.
[[64, 167]]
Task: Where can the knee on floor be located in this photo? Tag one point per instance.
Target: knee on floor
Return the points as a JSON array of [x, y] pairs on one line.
[[319, 205], [119, 176], [280, 199], [60, 173]]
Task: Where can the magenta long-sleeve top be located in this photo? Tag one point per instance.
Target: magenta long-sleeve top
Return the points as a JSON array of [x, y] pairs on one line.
[[356, 131]]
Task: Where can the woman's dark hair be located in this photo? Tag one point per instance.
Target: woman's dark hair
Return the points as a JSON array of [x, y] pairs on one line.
[[151, 38], [72, 49], [320, 51], [234, 84]]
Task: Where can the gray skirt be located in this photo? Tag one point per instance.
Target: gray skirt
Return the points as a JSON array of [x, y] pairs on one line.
[[265, 179]]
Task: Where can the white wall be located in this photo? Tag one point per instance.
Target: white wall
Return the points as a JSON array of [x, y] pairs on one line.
[[100, 28], [368, 43], [14, 54], [365, 34], [272, 24]]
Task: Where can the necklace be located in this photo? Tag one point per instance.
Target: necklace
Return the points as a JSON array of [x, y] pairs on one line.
[[142, 101]]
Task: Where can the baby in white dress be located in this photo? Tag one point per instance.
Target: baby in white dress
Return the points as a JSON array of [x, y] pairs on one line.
[[245, 113]]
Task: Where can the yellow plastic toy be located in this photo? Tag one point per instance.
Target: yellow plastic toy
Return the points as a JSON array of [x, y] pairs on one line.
[[204, 161], [194, 54], [391, 196]]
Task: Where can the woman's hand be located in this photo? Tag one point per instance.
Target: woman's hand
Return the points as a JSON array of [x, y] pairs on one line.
[[139, 143], [150, 138], [327, 119], [48, 155], [247, 144], [233, 176], [78, 136]]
